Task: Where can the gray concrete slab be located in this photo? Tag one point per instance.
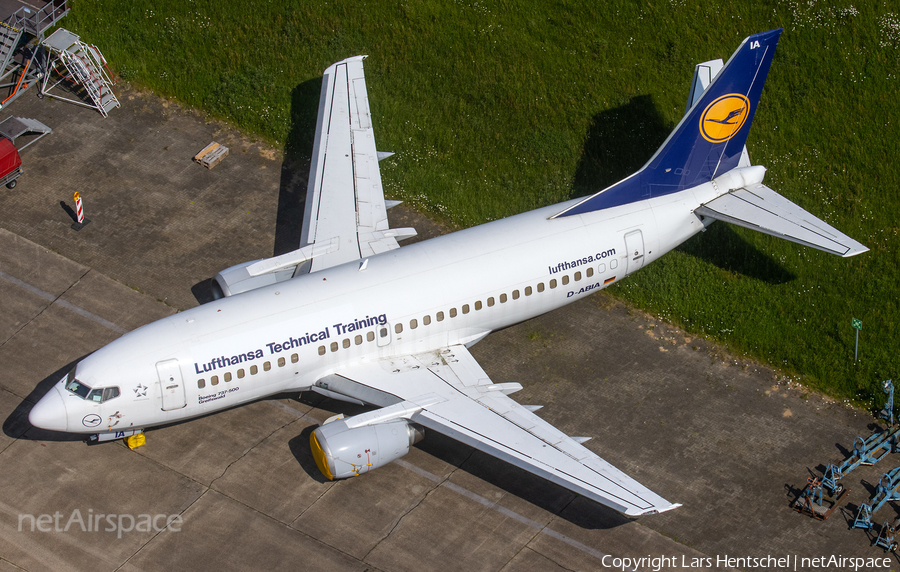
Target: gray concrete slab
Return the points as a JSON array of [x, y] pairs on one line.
[[59, 478], [202, 450], [380, 503], [731, 440], [220, 532], [469, 537], [278, 477]]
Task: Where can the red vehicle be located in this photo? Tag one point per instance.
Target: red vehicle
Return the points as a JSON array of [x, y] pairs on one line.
[[10, 163]]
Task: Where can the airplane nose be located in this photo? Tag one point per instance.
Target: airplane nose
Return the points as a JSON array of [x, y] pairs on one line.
[[49, 413]]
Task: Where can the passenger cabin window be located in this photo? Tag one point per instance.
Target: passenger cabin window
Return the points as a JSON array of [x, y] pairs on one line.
[[201, 383], [440, 316], [321, 350], [477, 305], [503, 298], [577, 276], [589, 272], [334, 346], [452, 312], [398, 328], [241, 373], [553, 284], [528, 290], [540, 286], [515, 294], [267, 366], [346, 343], [413, 324], [370, 336], [426, 320], [490, 301], [565, 279], [214, 380], [254, 370], [281, 362], [357, 340], [227, 376], [465, 308]]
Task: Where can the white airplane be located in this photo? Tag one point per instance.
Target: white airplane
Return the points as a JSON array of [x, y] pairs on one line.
[[352, 316]]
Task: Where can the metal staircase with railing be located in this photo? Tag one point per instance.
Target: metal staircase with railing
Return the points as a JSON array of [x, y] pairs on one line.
[[60, 60], [9, 42], [84, 65], [20, 35]]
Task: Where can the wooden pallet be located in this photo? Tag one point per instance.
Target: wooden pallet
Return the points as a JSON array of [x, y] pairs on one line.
[[211, 155]]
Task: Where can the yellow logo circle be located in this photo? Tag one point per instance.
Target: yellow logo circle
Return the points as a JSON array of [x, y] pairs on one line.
[[724, 117]]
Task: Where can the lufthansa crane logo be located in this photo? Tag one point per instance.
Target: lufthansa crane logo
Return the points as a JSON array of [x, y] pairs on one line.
[[724, 117]]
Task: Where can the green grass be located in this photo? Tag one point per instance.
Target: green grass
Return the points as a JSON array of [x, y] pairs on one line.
[[495, 108]]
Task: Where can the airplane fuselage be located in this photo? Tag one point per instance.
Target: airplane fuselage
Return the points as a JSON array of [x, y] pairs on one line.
[[454, 289]]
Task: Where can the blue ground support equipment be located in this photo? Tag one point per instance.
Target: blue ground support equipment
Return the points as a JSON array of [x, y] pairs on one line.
[[886, 536], [888, 411], [888, 489], [863, 517], [870, 451]]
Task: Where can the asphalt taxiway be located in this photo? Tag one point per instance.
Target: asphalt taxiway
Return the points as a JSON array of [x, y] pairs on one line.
[[731, 440]]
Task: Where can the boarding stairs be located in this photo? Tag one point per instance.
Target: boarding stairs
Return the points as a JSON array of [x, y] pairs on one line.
[[14, 127], [9, 42], [85, 66], [20, 34]]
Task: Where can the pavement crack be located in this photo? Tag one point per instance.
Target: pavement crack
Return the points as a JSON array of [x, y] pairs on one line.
[[152, 538], [406, 513], [248, 449]]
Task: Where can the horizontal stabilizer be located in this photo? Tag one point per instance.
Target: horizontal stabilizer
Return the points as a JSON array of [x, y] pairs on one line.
[[760, 208]]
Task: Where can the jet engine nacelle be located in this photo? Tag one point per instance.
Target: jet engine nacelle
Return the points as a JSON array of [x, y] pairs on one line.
[[341, 451], [237, 279]]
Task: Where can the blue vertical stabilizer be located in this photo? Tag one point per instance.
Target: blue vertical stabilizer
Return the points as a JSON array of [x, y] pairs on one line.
[[709, 139]]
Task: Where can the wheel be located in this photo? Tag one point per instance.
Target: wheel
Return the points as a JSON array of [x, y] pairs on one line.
[[11, 184]]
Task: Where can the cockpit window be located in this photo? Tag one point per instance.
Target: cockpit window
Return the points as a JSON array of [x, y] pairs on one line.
[[97, 395], [102, 394], [75, 386]]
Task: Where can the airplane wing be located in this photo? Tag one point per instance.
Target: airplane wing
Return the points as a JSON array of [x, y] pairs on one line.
[[758, 207], [449, 392], [345, 203]]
